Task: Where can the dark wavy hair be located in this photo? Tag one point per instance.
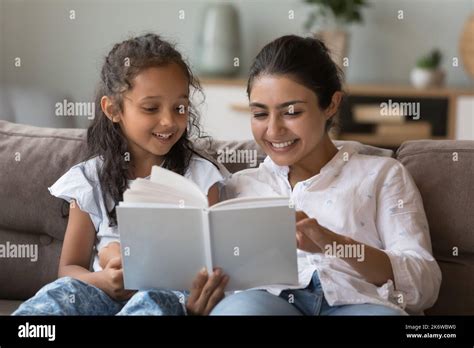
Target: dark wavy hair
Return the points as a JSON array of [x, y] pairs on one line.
[[105, 138], [307, 60]]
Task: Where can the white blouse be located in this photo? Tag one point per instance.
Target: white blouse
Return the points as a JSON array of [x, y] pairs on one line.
[[370, 199], [81, 183]]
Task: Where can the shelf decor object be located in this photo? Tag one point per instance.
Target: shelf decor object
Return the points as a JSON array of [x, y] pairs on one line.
[[333, 17], [427, 72], [219, 41], [466, 46]]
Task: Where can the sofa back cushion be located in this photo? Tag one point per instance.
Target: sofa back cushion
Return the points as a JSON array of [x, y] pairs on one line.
[[444, 174], [31, 159]]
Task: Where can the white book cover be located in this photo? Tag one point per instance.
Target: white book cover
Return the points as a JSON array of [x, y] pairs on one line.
[[168, 233]]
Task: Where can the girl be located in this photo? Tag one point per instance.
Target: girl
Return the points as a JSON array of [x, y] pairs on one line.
[[144, 119], [362, 234]]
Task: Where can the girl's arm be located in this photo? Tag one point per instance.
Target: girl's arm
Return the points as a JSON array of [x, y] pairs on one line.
[[213, 195], [77, 247], [109, 252], [77, 252]]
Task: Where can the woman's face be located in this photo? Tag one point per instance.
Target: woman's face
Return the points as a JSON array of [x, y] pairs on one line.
[[287, 121]]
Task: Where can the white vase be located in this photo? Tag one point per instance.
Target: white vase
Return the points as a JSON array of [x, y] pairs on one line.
[[425, 78], [219, 43]]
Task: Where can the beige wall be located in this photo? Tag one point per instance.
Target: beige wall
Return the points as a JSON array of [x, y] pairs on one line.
[[61, 57]]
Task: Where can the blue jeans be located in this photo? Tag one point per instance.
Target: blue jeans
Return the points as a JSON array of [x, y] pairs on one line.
[[69, 296], [308, 301]]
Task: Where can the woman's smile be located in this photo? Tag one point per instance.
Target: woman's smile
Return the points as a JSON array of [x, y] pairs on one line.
[[281, 146]]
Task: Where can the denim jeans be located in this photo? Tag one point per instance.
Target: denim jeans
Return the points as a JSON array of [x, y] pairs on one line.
[[308, 301], [69, 296]]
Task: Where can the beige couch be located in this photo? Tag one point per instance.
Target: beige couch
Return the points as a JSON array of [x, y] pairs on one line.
[[31, 159]]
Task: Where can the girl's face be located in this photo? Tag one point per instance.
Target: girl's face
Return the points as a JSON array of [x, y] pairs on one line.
[[287, 121], [155, 111]]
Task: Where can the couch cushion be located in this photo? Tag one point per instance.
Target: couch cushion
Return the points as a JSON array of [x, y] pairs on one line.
[[444, 174], [31, 159], [7, 307]]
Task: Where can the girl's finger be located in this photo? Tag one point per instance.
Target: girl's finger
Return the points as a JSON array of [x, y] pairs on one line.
[[116, 262]]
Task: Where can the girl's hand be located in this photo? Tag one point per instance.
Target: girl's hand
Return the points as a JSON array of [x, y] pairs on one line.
[[113, 280], [206, 292], [308, 233], [108, 252]]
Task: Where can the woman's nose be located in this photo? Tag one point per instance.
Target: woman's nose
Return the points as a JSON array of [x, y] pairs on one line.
[[275, 127]]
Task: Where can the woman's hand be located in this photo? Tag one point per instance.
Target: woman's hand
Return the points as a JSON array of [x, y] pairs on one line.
[[112, 280], [308, 233], [207, 291]]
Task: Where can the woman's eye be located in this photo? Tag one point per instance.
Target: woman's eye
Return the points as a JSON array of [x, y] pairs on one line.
[[294, 113], [260, 114]]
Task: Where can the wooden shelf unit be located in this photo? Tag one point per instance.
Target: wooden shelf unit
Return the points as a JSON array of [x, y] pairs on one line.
[[451, 94]]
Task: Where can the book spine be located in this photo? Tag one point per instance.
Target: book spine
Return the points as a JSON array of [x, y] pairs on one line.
[[206, 230]]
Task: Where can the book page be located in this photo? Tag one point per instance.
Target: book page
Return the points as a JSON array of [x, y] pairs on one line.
[[161, 248], [188, 189], [157, 196], [247, 202], [255, 246]]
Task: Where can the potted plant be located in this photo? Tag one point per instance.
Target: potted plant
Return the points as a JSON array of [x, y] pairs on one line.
[[333, 17], [427, 72]]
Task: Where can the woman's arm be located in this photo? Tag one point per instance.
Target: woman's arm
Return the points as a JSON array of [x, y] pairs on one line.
[[373, 264]]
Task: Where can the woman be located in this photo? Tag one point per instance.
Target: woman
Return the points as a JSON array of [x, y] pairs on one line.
[[362, 234]]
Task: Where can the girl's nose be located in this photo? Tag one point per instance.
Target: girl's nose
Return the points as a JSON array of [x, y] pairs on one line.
[[167, 119]]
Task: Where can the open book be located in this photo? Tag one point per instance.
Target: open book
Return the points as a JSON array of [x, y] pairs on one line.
[[168, 233]]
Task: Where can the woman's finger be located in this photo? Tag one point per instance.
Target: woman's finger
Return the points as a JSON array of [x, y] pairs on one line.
[[298, 239], [300, 215]]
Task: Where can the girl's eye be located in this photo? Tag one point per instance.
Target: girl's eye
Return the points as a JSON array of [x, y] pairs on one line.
[[260, 114], [151, 109]]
